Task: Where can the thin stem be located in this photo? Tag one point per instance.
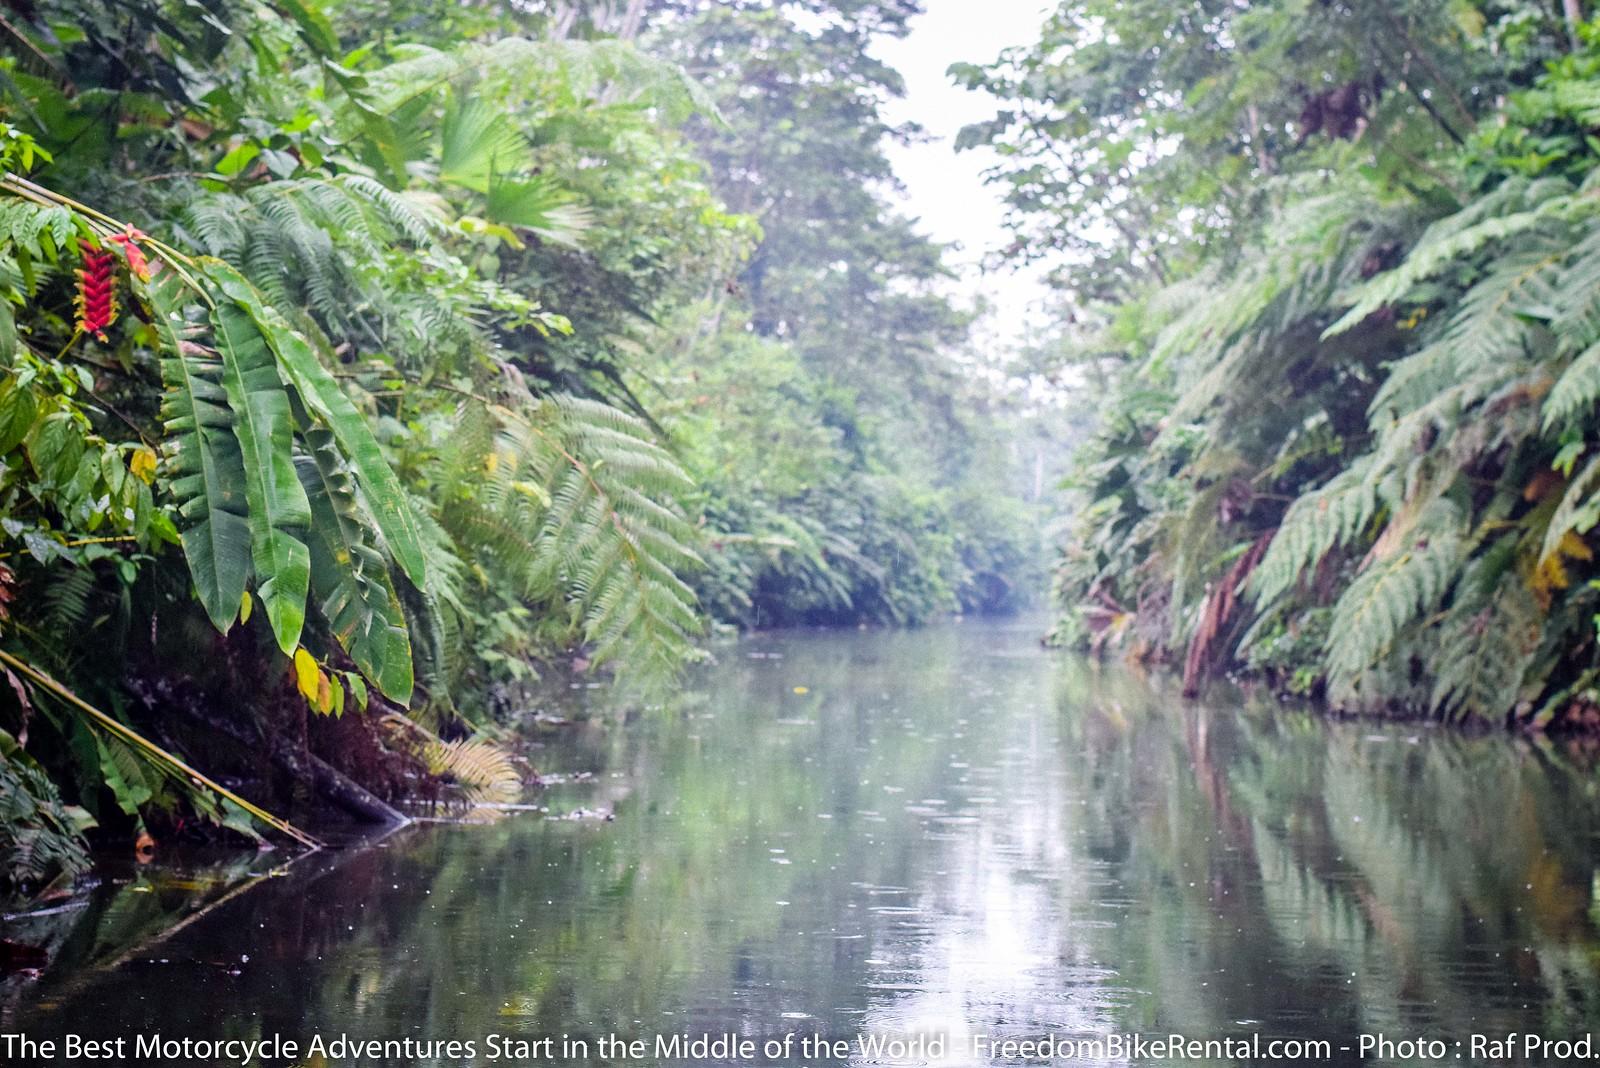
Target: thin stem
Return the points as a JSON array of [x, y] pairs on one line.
[[133, 737], [71, 341], [76, 542]]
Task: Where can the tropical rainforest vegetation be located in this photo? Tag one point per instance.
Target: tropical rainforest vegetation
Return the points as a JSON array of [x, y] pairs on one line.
[[363, 361], [362, 365], [1337, 267]]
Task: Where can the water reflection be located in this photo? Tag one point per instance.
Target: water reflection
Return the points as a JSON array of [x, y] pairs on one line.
[[940, 832]]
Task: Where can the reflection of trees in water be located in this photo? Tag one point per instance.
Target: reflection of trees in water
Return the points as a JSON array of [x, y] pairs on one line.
[[720, 886], [1357, 877], [956, 843], [131, 910]]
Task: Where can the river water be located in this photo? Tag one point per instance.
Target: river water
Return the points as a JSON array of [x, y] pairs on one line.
[[945, 832]]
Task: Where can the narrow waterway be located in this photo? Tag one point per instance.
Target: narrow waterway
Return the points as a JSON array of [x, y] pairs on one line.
[[941, 832]]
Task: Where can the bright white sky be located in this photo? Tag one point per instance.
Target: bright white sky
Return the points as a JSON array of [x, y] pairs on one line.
[[944, 188]]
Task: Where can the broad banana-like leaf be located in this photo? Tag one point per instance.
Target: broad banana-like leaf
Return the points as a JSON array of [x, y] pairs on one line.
[[205, 472], [301, 370], [350, 576], [279, 513]]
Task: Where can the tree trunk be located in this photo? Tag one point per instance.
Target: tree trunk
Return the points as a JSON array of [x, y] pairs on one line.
[[331, 784], [631, 20], [562, 21], [337, 788], [1573, 9]]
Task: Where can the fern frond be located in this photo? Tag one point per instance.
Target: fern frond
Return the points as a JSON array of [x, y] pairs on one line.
[[66, 601], [1315, 524], [1496, 337], [576, 504], [479, 766], [1391, 593], [39, 836], [437, 614], [302, 241], [413, 218], [1460, 235], [1486, 642], [1577, 309], [1577, 390], [1577, 512]]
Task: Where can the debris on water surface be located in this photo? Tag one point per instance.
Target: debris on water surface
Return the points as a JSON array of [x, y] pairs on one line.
[[561, 778], [587, 814]]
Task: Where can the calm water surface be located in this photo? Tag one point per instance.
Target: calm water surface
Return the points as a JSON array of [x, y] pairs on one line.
[[937, 832]]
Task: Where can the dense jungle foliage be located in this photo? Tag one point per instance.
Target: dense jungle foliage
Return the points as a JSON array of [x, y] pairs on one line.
[[1337, 267], [362, 361]]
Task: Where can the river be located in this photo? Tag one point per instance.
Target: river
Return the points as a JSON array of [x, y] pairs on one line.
[[945, 832]]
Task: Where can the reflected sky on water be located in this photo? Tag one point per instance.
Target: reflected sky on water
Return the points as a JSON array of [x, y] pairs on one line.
[[945, 832]]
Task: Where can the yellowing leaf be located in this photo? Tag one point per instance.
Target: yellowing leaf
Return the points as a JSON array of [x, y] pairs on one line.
[[1468, 19], [306, 674], [247, 604], [532, 490], [143, 464], [1551, 574]]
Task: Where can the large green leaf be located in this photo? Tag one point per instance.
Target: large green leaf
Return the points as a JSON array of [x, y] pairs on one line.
[[18, 407], [313, 24], [479, 141], [205, 472], [279, 512], [316, 387], [349, 574], [8, 333]]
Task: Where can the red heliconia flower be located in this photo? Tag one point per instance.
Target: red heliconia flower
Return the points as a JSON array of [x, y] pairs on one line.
[[137, 263], [97, 290]]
